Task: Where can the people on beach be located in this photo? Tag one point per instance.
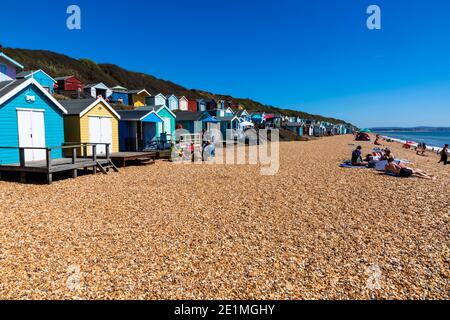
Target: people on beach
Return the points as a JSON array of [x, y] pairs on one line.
[[357, 159], [421, 148], [402, 171], [387, 154], [444, 155], [377, 140]]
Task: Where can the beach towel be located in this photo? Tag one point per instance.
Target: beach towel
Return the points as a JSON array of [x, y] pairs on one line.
[[347, 165]]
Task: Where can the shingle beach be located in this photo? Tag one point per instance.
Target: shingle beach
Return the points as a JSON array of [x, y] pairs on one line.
[[312, 231]]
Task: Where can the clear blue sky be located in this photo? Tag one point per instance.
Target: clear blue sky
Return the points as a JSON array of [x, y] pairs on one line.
[[315, 56]]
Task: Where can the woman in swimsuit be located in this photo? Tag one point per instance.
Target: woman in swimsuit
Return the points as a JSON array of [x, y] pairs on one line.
[[403, 171]]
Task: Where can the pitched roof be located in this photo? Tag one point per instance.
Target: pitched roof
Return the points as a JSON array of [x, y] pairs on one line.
[[139, 92], [100, 84], [14, 62], [9, 88], [189, 116], [227, 118], [82, 106], [75, 107], [138, 115], [26, 74], [157, 109], [119, 88], [64, 78]]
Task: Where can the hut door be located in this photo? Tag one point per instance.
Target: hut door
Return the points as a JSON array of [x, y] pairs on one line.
[[100, 131], [32, 133]]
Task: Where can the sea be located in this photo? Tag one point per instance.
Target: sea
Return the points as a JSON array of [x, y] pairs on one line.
[[433, 139]]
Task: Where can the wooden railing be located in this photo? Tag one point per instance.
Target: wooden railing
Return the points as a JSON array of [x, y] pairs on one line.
[[67, 146]]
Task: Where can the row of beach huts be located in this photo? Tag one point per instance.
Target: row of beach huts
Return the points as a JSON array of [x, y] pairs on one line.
[[91, 125]]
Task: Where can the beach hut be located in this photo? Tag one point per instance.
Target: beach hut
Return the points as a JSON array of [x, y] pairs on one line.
[[295, 127], [228, 122], [168, 126], [258, 117], [201, 105], [211, 104], [119, 95], [8, 68], [192, 105], [172, 102], [69, 83], [91, 121], [221, 104], [138, 130], [194, 122], [138, 98], [183, 103], [29, 118], [156, 100], [46, 81], [97, 90], [243, 115]]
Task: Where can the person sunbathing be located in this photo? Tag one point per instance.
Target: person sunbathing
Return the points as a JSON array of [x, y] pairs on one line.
[[402, 171], [387, 154], [357, 159], [377, 141]]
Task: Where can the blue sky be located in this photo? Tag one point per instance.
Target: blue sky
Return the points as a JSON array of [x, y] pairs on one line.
[[315, 56]]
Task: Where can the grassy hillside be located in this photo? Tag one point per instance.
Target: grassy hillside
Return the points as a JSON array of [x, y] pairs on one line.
[[88, 71]]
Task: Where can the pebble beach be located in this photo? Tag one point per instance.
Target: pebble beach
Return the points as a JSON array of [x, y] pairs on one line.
[[166, 231]]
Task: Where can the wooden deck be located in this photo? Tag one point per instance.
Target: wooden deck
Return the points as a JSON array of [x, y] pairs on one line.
[[121, 158], [50, 166], [57, 165]]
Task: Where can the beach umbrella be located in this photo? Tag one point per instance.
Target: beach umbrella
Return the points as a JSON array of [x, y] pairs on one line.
[[365, 130]]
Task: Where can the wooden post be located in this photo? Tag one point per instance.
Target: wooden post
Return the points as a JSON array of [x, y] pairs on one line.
[[74, 161], [49, 178], [23, 177], [85, 150], [74, 155], [22, 157], [48, 159], [94, 157], [107, 151], [94, 152]]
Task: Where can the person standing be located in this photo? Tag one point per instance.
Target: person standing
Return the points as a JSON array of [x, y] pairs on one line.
[[444, 155]]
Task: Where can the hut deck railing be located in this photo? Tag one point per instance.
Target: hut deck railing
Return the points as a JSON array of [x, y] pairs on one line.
[[49, 164]]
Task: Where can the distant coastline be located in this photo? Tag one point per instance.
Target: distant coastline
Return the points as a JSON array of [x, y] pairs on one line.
[[434, 139], [411, 129]]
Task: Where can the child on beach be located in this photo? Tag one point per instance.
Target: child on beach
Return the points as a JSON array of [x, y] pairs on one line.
[[444, 155], [357, 159], [403, 171]]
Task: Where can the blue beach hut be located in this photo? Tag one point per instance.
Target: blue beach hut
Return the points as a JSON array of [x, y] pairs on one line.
[[46, 81], [29, 118], [138, 129]]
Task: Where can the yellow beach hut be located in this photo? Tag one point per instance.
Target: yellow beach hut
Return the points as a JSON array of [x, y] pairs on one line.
[[91, 121], [136, 98]]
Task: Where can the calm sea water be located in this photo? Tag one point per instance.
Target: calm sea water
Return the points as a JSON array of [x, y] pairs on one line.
[[435, 138]]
